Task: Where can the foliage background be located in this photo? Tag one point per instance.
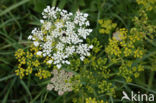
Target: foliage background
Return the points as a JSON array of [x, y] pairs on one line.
[[17, 19]]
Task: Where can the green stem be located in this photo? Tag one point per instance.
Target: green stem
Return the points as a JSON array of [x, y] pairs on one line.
[[151, 79], [150, 41]]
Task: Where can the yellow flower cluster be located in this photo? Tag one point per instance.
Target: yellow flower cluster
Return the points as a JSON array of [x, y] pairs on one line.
[[20, 55], [106, 26], [36, 63], [127, 70], [114, 44], [124, 45], [106, 87], [93, 76], [142, 25], [147, 4], [93, 100], [42, 74], [113, 48], [28, 61], [20, 72], [138, 53], [28, 70]]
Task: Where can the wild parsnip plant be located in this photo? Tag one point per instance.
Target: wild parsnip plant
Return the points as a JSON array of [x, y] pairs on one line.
[[85, 51]]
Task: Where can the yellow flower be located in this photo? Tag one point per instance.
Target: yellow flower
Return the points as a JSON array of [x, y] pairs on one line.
[[113, 48], [43, 74], [147, 4], [36, 63], [29, 55], [28, 70], [138, 53], [19, 53], [34, 49], [100, 21], [106, 26], [20, 72], [127, 51], [93, 100]]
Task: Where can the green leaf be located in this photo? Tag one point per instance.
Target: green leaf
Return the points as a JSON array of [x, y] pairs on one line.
[[38, 95], [9, 89], [62, 4], [13, 7], [26, 88], [7, 77], [39, 5]]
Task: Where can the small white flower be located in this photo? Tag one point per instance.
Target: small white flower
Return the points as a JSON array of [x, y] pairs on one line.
[[58, 66], [85, 15], [59, 25], [60, 46], [67, 62], [84, 32], [91, 46], [70, 50], [44, 54], [36, 43], [30, 37], [47, 25], [60, 93], [87, 23], [49, 61], [82, 58], [50, 87], [39, 53], [42, 21], [37, 34]]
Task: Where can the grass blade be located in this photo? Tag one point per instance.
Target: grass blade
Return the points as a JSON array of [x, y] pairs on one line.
[[26, 88], [13, 7], [10, 86], [7, 77]]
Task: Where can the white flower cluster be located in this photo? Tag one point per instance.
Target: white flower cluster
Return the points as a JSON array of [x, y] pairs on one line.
[[62, 34], [60, 82]]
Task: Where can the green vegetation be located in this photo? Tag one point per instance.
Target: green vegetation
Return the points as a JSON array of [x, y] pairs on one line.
[[122, 58]]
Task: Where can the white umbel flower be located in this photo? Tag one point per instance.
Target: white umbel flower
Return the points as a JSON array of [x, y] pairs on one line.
[[61, 35], [60, 82]]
